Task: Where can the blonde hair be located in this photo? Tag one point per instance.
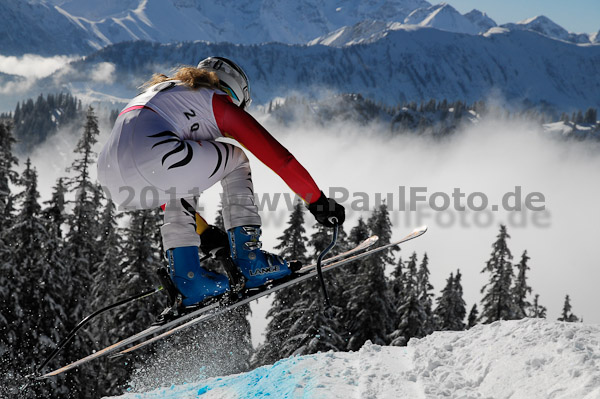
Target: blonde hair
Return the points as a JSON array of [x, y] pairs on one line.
[[189, 76]]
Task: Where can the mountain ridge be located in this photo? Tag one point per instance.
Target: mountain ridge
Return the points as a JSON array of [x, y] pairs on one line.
[[412, 64], [78, 27]]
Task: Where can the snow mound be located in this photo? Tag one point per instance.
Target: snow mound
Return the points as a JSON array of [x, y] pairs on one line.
[[530, 358]]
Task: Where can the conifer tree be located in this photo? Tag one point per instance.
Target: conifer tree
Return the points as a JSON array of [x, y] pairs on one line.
[[424, 289], [54, 214], [81, 249], [396, 289], [537, 310], [521, 289], [451, 308], [566, 314], [473, 316], [36, 283], [81, 240], [138, 262], [106, 277], [497, 302], [443, 310], [7, 173], [9, 298], [358, 234], [292, 246], [411, 314], [460, 307], [369, 313], [313, 330]]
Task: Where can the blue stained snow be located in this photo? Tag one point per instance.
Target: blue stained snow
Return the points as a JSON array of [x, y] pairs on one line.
[[203, 390], [287, 379]]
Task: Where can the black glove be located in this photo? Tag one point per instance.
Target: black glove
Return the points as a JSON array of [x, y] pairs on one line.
[[325, 208], [212, 238]]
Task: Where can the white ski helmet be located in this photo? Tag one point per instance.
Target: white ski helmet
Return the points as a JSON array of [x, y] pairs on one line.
[[232, 79]]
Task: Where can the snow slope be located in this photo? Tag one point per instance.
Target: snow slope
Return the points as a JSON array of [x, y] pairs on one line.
[[530, 358]]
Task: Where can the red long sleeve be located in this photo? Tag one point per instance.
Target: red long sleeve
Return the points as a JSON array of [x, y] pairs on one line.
[[241, 126]]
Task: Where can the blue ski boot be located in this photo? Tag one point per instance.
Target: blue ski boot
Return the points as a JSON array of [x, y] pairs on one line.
[[193, 281], [258, 267]]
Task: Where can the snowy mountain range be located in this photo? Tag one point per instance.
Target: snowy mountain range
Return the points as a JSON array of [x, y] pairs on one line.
[[406, 64], [50, 27], [529, 358], [100, 23]]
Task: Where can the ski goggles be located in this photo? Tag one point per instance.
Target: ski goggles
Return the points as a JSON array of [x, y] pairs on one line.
[[227, 89]]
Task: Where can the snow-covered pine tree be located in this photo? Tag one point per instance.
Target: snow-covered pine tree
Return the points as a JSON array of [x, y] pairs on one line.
[[410, 313], [396, 283], [451, 308], [53, 219], [9, 306], [537, 310], [81, 246], [7, 173], [521, 289], [292, 246], [37, 285], [458, 303], [82, 249], [106, 277], [444, 305], [140, 258], [395, 288], [473, 316], [424, 289], [54, 214], [497, 302], [312, 330], [566, 314], [358, 234], [368, 310]]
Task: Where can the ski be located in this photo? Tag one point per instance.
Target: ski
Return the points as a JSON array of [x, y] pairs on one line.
[[155, 329], [265, 290], [216, 308]]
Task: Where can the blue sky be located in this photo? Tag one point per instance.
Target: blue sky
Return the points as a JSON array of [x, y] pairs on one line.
[[575, 16]]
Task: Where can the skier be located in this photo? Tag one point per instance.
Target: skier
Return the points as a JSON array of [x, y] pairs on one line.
[[164, 148]]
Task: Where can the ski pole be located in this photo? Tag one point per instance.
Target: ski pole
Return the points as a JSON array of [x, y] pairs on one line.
[[322, 255], [87, 319]]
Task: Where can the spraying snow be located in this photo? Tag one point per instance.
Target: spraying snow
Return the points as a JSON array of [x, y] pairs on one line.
[[529, 358]]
